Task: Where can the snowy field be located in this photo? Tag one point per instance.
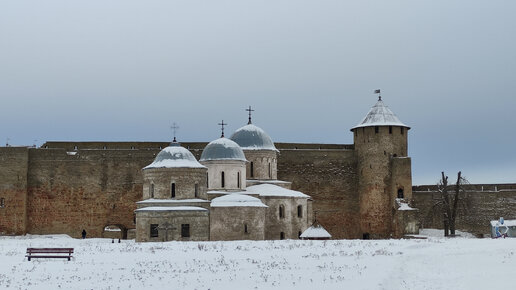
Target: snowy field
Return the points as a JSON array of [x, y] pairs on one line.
[[434, 263]]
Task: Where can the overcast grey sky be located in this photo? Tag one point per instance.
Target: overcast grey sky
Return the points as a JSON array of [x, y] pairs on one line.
[[125, 70]]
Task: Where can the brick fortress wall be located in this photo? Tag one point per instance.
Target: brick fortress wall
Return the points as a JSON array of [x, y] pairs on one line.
[[49, 191], [485, 202]]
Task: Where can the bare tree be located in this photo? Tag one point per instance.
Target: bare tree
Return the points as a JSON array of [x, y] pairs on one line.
[[449, 199]]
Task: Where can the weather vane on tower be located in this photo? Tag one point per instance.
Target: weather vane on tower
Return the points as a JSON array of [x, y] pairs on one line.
[[378, 92], [222, 125], [249, 110]]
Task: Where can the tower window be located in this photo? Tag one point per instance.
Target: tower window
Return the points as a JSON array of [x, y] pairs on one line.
[[196, 190], [299, 211], [400, 193], [252, 169], [207, 180], [154, 233], [282, 236], [185, 230], [270, 171], [390, 129], [238, 179], [151, 190], [2, 202], [173, 190], [246, 229], [376, 129], [281, 211], [222, 181], [402, 130]]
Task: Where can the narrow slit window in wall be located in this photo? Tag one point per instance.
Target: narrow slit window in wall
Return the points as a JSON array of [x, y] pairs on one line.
[[252, 169], [151, 190], [238, 179], [185, 230], [222, 181], [196, 190], [154, 233], [173, 190]]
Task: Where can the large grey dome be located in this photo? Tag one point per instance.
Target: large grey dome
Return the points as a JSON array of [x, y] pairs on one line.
[[222, 149], [251, 137], [174, 156]]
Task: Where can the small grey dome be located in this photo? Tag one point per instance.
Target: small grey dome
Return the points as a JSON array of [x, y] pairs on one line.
[[222, 149], [175, 156], [251, 137]]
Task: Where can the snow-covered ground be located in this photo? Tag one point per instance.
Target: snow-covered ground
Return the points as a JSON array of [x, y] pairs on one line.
[[433, 263]]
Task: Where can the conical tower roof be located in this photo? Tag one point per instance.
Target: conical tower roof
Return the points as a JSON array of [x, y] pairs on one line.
[[380, 115]]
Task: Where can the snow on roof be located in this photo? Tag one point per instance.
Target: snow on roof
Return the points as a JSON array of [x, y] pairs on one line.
[[222, 149], [251, 137], [507, 223], [174, 156], [172, 208], [315, 231], [152, 200], [237, 200], [380, 115], [274, 190], [403, 205]]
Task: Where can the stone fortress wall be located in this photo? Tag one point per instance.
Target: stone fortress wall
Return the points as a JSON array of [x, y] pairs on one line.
[[65, 187]]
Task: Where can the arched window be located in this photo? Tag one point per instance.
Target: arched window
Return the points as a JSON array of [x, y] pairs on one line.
[[252, 169], [299, 211], [282, 236], [238, 179], [245, 229], [222, 181], [400, 193], [281, 211], [196, 190], [151, 190], [270, 170], [173, 190]]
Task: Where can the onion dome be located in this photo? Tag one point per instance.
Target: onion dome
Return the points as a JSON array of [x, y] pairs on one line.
[[222, 149], [251, 137], [380, 115], [174, 156]]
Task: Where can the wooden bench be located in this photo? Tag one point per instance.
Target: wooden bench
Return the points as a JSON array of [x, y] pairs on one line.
[[49, 253]]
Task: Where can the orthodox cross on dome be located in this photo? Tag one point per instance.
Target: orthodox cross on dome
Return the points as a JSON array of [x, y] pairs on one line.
[[222, 125], [174, 128], [378, 92], [249, 110]]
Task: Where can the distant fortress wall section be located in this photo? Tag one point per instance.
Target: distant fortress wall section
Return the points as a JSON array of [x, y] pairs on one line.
[[13, 190], [484, 202], [329, 176], [69, 191]]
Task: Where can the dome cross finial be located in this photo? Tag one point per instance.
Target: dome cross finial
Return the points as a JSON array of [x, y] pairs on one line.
[[250, 111], [174, 128], [222, 126]]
